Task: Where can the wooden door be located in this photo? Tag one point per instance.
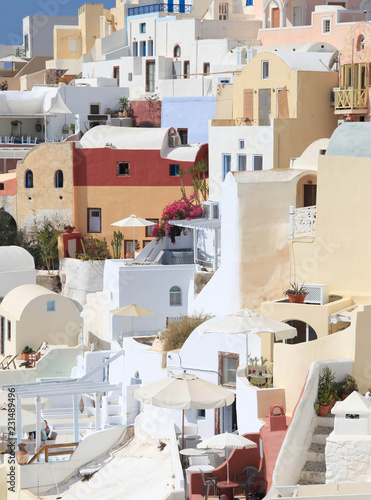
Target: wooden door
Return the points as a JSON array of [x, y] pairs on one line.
[[275, 17], [310, 195]]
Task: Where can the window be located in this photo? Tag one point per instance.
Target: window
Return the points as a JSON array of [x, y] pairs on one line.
[[146, 242], [59, 179], [9, 330], [201, 413], [174, 170], [241, 163], [116, 74], [175, 296], [2, 186], [142, 28], [150, 76], [143, 49], [241, 144], [183, 133], [73, 44], [249, 3], [130, 77], [223, 11], [94, 220], [257, 162], [226, 165], [123, 168], [265, 70], [326, 26], [360, 43], [228, 365], [135, 49], [186, 69], [177, 51], [150, 48], [29, 179], [149, 229], [50, 305], [94, 109], [26, 43], [206, 68]]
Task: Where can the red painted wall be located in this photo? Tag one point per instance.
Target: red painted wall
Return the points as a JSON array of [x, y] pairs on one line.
[[146, 112], [10, 187], [97, 167]]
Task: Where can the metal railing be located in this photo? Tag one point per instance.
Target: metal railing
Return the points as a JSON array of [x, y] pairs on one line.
[[302, 222], [351, 98], [160, 7]]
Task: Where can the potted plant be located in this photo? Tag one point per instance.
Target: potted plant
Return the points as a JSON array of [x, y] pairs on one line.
[[296, 293], [69, 229], [256, 370], [26, 352], [346, 387], [124, 106], [327, 393], [137, 246], [26, 364]]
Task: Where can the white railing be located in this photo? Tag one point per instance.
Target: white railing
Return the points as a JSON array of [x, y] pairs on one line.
[[302, 222]]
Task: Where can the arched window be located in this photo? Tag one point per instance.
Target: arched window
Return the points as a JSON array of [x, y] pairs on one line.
[[360, 43], [29, 179], [177, 51], [59, 179], [175, 296]]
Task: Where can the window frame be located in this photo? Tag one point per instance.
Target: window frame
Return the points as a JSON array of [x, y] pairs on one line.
[[148, 62], [253, 162], [186, 69], [183, 131], [222, 356], [29, 179], [135, 49], [324, 21], [9, 331], [265, 74], [238, 162], [177, 52], [175, 293], [206, 68], [241, 144], [224, 171], [174, 169], [148, 228], [118, 167], [88, 220], [142, 28], [91, 104], [57, 179]]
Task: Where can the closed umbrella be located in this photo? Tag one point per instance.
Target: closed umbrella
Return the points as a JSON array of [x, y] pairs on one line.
[[132, 310], [133, 221], [184, 391], [227, 441]]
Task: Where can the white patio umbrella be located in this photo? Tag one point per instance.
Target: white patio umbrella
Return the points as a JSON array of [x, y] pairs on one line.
[[27, 403], [227, 441], [28, 421], [184, 391], [132, 311], [13, 60], [247, 321], [133, 221]]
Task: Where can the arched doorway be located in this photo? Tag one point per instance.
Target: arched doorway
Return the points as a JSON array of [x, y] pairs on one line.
[[366, 7], [295, 11], [305, 332], [272, 14], [8, 229], [306, 191]]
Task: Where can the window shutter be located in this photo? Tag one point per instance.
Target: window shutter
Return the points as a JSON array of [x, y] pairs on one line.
[[248, 104], [283, 104]]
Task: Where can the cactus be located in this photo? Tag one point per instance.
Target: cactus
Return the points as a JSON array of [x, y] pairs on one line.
[[116, 244]]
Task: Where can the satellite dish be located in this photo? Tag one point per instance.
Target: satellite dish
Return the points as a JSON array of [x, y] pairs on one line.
[[333, 59]]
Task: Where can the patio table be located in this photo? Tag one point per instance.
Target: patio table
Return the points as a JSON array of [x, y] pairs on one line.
[[227, 488]]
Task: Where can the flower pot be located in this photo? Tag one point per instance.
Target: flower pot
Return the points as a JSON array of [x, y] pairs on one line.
[[22, 455], [324, 410], [129, 255], [344, 396], [69, 231], [26, 357], [297, 298]]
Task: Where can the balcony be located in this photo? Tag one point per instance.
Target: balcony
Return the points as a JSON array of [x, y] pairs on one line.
[[350, 99], [160, 7], [303, 222]]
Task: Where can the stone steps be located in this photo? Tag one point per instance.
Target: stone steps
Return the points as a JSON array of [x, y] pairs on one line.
[[314, 472], [320, 434], [316, 452]]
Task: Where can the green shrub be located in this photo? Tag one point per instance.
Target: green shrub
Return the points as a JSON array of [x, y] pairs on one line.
[[178, 331]]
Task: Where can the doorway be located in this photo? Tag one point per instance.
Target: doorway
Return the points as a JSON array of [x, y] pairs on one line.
[[310, 195], [265, 106]]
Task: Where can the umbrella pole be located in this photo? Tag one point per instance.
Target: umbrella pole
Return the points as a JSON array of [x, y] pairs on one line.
[[133, 243], [182, 429], [227, 467]]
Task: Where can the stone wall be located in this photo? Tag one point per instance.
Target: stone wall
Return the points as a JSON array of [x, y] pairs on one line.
[[348, 460], [80, 277]]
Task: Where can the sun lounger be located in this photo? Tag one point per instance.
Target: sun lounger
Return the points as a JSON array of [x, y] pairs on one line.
[[5, 360], [6, 365], [38, 353]]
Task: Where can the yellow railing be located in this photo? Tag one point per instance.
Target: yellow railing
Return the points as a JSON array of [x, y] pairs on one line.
[[350, 98]]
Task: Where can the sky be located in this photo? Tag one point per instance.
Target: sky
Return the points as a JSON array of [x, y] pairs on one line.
[[15, 10]]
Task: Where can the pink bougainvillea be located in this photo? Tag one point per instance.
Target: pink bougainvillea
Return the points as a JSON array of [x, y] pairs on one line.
[[185, 208]]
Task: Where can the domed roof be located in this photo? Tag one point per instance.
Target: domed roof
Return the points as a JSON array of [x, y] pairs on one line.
[[17, 299], [15, 258], [351, 139]]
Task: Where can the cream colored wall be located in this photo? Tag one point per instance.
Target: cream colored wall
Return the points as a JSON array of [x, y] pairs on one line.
[[89, 15], [340, 253], [118, 202], [117, 16], [291, 362], [62, 37], [44, 200], [314, 117], [36, 325], [280, 75], [224, 102]]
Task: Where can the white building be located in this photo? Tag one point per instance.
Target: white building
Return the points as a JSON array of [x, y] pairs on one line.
[[17, 267]]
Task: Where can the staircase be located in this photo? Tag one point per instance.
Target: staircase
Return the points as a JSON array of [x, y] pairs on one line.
[[112, 410], [314, 470]]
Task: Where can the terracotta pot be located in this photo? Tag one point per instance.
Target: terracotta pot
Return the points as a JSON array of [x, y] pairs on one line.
[[324, 410], [297, 298], [344, 396], [22, 455], [68, 231], [129, 255], [26, 357]]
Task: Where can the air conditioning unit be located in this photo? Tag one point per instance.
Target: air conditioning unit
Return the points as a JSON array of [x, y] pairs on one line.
[[210, 209], [317, 294], [174, 140]]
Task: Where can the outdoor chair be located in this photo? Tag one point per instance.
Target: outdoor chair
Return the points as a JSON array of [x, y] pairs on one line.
[[5, 360], [38, 353], [208, 483], [251, 473], [6, 365]]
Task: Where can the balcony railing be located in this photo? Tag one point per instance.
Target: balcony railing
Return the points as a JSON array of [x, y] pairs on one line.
[[160, 7], [302, 222], [351, 98]]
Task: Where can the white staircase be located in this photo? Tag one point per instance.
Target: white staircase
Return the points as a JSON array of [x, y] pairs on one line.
[[314, 470], [112, 410]]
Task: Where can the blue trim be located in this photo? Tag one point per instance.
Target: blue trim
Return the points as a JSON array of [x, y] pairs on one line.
[[226, 164], [249, 3], [29, 179]]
